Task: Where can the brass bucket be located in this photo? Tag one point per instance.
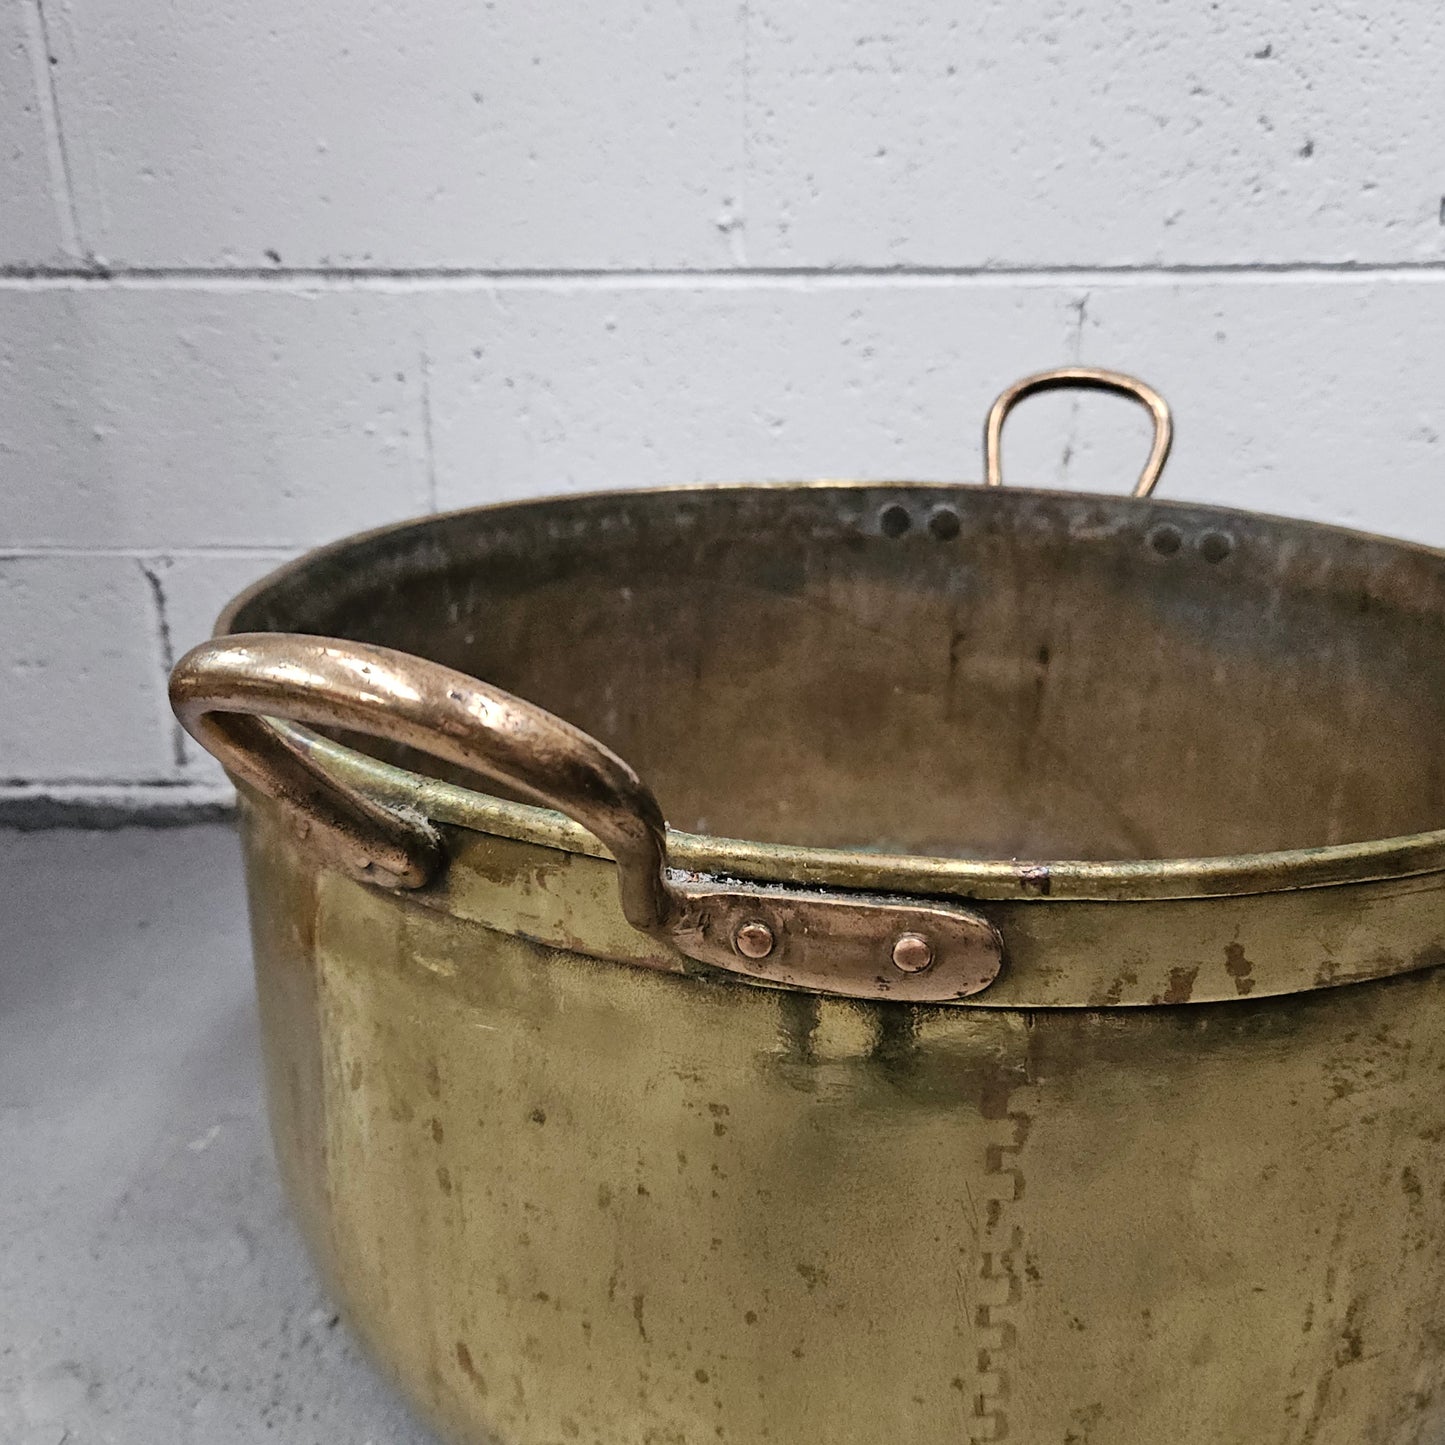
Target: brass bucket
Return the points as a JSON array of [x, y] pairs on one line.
[[1058, 1062]]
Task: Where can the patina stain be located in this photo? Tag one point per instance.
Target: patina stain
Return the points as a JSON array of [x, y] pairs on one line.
[[1181, 985], [464, 1361], [1126, 980], [812, 1275], [1240, 968]]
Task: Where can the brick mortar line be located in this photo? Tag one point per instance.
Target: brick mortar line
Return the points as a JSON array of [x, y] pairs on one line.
[[384, 279], [157, 552], [109, 806], [109, 786], [47, 97], [154, 574]]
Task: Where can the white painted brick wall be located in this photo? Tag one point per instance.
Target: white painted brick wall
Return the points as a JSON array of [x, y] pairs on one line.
[[190, 418], [29, 220], [276, 272]]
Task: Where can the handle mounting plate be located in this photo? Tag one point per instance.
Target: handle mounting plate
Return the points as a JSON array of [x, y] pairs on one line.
[[852, 945]]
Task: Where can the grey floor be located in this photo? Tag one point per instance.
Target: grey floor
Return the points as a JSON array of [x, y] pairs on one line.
[[152, 1289]]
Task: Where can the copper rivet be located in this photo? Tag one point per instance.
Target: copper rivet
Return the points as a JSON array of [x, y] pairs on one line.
[[754, 940], [912, 952]]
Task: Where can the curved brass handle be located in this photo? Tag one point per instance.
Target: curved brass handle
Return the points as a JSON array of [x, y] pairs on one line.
[[858, 945], [222, 692], [1093, 378]]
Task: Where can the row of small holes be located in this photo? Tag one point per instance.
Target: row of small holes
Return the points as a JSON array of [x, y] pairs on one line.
[[1213, 546], [894, 520]]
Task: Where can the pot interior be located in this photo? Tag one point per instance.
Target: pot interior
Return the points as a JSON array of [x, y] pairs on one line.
[[952, 671]]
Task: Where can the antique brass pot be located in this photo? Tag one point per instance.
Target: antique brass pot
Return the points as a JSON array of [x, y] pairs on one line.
[[1058, 1062]]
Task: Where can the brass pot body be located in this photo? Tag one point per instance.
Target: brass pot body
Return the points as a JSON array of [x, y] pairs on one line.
[[1176, 1176]]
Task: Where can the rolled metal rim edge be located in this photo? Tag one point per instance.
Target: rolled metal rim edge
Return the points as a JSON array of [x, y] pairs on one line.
[[1042, 880], [1020, 880]]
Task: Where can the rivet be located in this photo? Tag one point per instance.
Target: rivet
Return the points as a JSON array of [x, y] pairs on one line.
[[753, 940], [912, 952]]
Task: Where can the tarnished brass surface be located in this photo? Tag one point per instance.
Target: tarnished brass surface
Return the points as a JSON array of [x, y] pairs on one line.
[[548, 881], [1067, 695], [1174, 1178], [563, 1200]]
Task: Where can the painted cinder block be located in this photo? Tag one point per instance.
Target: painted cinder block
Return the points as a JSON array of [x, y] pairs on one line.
[[1320, 399], [408, 134], [190, 592], [549, 389], [151, 419], [1317, 398], [29, 219], [1028, 133], [864, 133], [79, 655]]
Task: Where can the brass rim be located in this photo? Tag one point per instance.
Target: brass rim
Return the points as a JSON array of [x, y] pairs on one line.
[[1044, 880], [1052, 880]]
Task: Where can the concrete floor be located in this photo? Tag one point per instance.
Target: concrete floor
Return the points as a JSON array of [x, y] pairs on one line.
[[152, 1288]]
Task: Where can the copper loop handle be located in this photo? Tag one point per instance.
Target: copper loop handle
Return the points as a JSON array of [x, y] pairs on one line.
[[1092, 378], [224, 691]]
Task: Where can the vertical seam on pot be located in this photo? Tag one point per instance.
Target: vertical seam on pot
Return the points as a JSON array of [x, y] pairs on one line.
[[1000, 1250]]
